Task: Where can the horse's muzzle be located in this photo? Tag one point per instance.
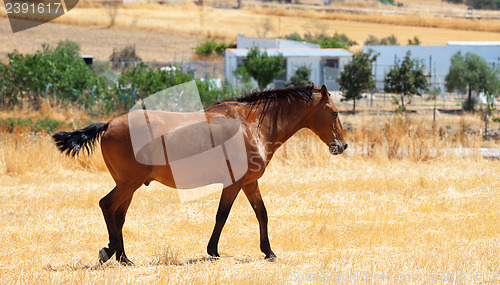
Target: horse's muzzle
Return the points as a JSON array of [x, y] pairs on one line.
[[337, 147]]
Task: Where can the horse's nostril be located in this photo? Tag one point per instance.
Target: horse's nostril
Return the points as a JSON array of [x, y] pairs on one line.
[[345, 146]]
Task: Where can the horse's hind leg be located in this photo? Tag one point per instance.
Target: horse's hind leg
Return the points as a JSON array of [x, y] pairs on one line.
[[253, 194], [226, 202], [114, 207], [120, 214]]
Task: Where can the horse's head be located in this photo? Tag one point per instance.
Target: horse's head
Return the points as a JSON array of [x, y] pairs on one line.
[[324, 121]]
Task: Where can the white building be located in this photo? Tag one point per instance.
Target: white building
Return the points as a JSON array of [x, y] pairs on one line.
[[437, 59], [325, 64]]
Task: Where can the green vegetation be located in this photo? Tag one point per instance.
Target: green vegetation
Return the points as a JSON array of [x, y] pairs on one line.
[[471, 73], [479, 4], [61, 74], [387, 41], [211, 47], [406, 78], [47, 125], [261, 67], [27, 76], [300, 77], [357, 77], [389, 2], [325, 41], [414, 42]]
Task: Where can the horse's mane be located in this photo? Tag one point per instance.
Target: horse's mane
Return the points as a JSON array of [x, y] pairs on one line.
[[274, 102], [288, 93]]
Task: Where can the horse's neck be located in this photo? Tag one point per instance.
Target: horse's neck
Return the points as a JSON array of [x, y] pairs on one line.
[[275, 131]]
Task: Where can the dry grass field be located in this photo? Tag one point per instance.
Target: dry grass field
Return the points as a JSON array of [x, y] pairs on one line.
[[416, 218]]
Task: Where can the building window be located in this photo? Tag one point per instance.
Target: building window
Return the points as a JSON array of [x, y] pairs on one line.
[[282, 77], [331, 62], [239, 62]]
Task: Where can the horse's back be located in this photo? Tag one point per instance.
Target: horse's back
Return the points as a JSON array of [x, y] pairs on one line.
[[196, 149]]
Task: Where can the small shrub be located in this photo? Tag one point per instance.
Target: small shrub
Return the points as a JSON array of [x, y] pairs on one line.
[[468, 104], [374, 41], [325, 41], [211, 47], [294, 37], [300, 77]]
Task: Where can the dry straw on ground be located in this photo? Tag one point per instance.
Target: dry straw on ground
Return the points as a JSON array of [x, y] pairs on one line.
[[408, 217]]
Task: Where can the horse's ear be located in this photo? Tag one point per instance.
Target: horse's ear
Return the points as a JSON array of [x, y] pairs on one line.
[[324, 92], [314, 87]]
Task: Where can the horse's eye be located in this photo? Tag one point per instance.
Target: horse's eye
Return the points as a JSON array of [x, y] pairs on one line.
[[335, 114]]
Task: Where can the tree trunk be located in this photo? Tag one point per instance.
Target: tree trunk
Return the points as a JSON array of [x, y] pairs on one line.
[[470, 99], [354, 107]]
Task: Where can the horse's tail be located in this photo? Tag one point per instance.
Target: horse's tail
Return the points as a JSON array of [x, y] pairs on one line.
[[72, 142]]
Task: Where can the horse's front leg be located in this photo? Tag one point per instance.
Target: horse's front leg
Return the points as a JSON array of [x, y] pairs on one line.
[[252, 192], [226, 202]]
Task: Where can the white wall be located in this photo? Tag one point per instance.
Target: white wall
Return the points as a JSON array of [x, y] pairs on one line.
[[230, 65]]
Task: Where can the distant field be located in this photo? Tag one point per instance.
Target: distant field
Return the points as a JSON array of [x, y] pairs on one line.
[[165, 32]]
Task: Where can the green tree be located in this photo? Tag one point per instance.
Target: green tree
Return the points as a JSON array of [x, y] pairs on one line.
[[27, 76], [262, 67], [484, 4], [357, 78], [406, 78], [300, 77], [471, 73], [143, 81], [414, 42]]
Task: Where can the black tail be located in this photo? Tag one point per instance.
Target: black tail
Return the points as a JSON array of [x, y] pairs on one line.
[[73, 142]]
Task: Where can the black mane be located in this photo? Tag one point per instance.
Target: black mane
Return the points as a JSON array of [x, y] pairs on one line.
[[275, 103], [289, 93]]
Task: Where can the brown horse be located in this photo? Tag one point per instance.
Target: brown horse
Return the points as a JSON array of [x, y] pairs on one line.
[[266, 120]]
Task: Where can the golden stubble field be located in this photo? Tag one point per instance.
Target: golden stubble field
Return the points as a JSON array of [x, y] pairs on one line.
[[330, 217]]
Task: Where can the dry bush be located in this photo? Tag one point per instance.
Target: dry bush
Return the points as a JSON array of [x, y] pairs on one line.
[[22, 153], [382, 138]]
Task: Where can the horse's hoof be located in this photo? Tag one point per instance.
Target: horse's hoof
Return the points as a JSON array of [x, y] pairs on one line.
[[271, 257], [213, 253], [125, 261], [104, 255]]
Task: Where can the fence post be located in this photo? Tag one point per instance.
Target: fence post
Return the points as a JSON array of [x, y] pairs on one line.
[[486, 122], [1, 95], [134, 95], [92, 92], [92, 95], [47, 91]]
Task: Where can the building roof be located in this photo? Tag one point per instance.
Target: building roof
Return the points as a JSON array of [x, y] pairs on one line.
[[296, 52], [472, 43], [244, 42]]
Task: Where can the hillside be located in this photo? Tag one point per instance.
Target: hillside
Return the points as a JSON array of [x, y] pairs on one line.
[[162, 32]]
